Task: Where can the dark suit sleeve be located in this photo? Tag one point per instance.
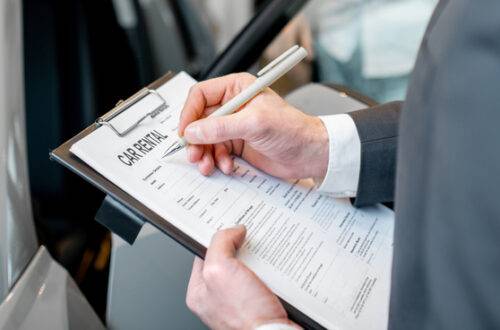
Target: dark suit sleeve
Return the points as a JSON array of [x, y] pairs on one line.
[[378, 132]]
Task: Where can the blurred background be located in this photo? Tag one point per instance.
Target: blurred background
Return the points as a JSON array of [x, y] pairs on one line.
[[82, 57]]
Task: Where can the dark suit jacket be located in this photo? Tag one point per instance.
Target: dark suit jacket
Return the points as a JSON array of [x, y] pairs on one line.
[[446, 268]]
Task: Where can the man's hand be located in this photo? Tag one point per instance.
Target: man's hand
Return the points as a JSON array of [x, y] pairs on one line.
[[267, 132], [225, 294]]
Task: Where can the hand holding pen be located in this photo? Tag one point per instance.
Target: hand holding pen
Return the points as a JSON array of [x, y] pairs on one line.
[[266, 77], [266, 131]]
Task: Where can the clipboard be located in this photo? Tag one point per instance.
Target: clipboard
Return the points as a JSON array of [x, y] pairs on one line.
[[120, 212], [123, 214]]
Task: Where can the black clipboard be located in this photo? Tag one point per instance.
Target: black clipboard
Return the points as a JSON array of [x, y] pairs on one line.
[[123, 214]]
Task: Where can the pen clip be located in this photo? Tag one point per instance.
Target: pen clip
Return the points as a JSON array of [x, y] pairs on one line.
[[278, 60]]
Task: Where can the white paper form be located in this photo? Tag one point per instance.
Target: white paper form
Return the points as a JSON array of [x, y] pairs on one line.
[[321, 255]]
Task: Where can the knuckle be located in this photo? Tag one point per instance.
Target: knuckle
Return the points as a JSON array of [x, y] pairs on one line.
[[247, 76], [194, 300], [219, 235], [259, 122], [191, 302], [259, 118], [220, 129], [202, 131], [212, 273], [194, 89], [222, 235], [194, 304], [240, 81]]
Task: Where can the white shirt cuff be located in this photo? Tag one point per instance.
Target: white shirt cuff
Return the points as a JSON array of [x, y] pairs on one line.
[[275, 326], [344, 160]]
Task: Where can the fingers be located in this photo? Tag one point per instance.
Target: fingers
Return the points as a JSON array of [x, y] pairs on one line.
[[196, 273], [195, 152], [204, 98], [210, 93], [222, 159], [206, 165], [225, 294], [220, 262], [225, 243], [196, 286], [213, 130]]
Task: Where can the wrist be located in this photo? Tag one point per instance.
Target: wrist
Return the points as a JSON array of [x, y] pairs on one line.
[[317, 149], [275, 324]]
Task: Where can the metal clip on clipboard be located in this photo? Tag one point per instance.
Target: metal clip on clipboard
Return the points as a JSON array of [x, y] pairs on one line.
[[112, 214], [125, 105], [119, 212]]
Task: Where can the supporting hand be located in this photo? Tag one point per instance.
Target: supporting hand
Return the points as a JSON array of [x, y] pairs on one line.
[[225, 294]]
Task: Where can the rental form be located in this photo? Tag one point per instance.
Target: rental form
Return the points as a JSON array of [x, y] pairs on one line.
[[320, 254]]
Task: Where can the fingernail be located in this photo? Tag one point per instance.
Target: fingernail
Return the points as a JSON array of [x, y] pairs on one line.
[[240, 227], [189, 152], [228, 168], [193, 131]]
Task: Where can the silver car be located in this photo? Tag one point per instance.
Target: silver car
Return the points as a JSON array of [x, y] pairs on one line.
[[35, 291]]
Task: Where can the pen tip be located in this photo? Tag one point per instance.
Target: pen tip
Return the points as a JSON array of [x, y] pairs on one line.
[[172, 150]]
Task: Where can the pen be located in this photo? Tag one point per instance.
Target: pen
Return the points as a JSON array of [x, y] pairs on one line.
[[265, 77]]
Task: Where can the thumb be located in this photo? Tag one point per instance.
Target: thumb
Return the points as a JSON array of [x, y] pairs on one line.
[[225, 243], [213, 130]]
